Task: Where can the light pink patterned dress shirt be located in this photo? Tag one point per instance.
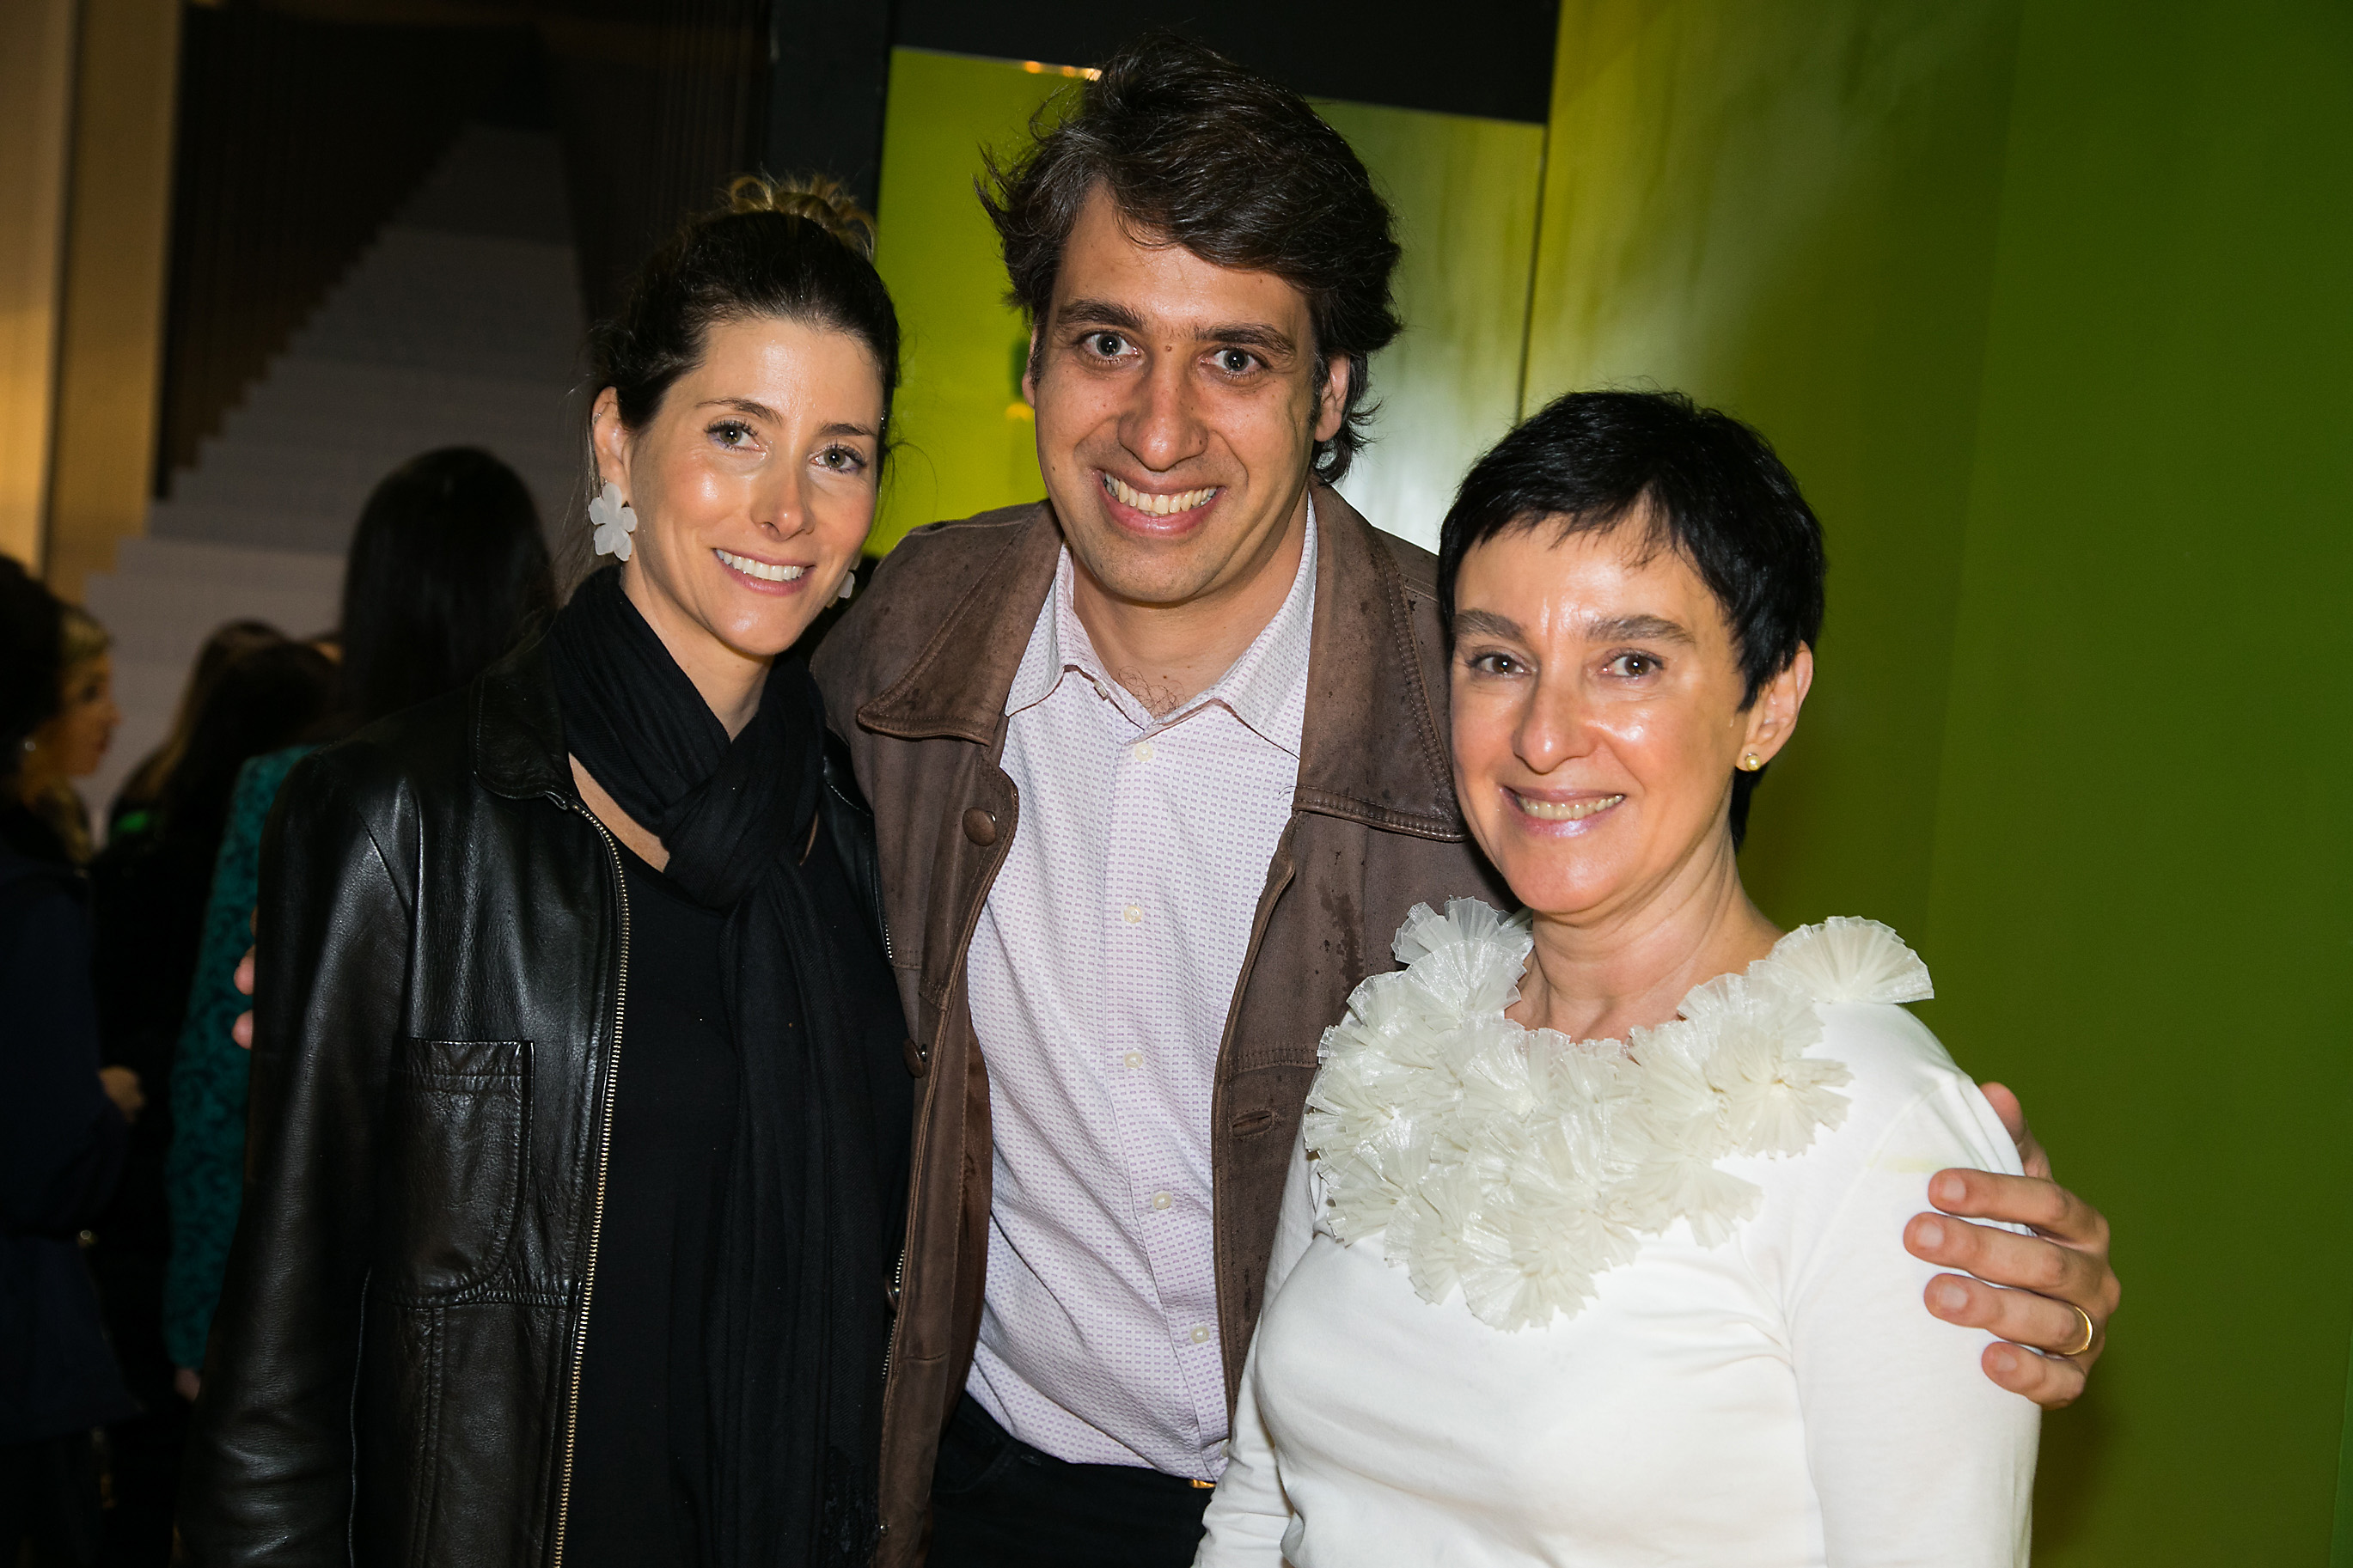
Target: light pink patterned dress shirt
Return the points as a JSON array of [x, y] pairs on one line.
[[1100, 976]]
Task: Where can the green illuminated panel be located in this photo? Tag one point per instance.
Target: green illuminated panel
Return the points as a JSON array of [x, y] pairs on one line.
[[965, 440], [1464, 191]]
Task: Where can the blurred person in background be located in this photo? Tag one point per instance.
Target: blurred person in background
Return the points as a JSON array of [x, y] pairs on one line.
[[62, 1125], [254, 692], [43, 816], [133, 806], [447, 570]]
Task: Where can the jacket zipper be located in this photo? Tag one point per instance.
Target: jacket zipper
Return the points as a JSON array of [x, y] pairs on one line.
[[898, 1294], [597, 1207]]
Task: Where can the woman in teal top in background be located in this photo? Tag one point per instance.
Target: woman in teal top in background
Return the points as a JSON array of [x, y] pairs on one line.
[[448, 569]]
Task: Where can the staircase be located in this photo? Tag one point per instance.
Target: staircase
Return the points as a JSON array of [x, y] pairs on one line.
[[460, 325]]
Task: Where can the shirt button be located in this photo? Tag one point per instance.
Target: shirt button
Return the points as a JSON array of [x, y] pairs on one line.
[[1161, 1200], [1200, 1336], [1135, 1060], [1142, 751], [1133, 914]]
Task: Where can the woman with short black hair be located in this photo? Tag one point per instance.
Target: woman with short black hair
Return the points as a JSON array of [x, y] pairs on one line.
[[580, 1111], [1591, 1251]]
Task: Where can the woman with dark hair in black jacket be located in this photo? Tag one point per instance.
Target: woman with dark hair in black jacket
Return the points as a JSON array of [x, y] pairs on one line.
[[61, 1140], [579, 1107]]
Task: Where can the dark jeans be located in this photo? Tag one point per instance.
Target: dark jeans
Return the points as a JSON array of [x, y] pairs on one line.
[[144, 1452], [996, 1502], [49, 1507]]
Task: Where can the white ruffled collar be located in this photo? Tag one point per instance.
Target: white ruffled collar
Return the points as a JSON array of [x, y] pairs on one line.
[[1516, 1165]]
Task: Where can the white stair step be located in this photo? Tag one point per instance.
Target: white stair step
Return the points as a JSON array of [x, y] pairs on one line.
[[163, 598], [460, 325], [180, 560], [331, 481]]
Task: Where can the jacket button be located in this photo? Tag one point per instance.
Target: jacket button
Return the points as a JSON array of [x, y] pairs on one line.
[[918, 1063], [981, 827]]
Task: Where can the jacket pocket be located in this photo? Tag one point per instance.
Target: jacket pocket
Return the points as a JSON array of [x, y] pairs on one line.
[[456, 1127]]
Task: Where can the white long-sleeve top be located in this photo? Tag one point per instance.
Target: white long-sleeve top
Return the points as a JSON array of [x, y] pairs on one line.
[[1496, 1334]]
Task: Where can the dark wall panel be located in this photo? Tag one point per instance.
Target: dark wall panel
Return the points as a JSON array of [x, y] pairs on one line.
[[658, 111], [1490, 58], [831, 72], [298, 138]]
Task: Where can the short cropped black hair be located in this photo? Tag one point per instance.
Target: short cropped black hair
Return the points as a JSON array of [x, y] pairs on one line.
[[1696, 482], [1239, 171]]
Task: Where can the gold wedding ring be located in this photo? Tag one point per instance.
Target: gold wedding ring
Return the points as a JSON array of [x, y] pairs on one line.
[[2090, 1333]]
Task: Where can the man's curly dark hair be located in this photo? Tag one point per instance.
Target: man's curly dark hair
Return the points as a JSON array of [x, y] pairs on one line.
[[1236, 170]]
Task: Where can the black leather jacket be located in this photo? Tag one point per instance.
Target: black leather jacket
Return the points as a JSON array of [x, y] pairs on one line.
[[444, 971]]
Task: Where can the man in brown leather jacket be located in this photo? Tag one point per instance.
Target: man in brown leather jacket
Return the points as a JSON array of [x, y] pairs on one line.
[[1206, 267]]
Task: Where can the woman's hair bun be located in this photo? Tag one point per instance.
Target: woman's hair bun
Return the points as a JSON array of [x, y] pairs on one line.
[[825, 202]]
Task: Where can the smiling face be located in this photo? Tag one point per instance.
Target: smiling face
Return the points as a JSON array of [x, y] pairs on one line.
[[753, 485], [1179, 410], [1597, 719]]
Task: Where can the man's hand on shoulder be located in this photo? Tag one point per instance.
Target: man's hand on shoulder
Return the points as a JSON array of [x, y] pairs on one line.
[[2026, 1289]]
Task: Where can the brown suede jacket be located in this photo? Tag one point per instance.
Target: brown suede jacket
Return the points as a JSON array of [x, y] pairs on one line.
[[915, 679]]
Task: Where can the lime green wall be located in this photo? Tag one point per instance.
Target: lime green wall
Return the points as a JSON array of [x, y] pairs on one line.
[[2047, 305], [1465, 193], [965, 442], [2140, 892], [1787, 210], [2340, 1546]]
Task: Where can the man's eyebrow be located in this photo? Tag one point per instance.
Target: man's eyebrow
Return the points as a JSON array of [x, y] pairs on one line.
[[1638, 628], [1487, 623], [1251, 334], [1102, 312], [1272, 341]]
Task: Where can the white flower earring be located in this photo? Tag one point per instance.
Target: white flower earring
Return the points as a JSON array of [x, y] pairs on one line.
[[614, 522], [848, 584]]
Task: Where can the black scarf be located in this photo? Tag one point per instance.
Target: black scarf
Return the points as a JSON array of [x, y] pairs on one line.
[[796, 1332]]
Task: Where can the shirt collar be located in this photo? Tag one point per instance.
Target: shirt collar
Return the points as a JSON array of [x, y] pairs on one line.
[[1266, 688]]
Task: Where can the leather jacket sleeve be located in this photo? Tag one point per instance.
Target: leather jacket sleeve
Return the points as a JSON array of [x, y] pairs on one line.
[[271, 1458]]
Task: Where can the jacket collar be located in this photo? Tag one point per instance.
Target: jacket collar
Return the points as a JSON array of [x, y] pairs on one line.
[[519, 729], [957, 685], [1373, 749], [1266, 688]]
